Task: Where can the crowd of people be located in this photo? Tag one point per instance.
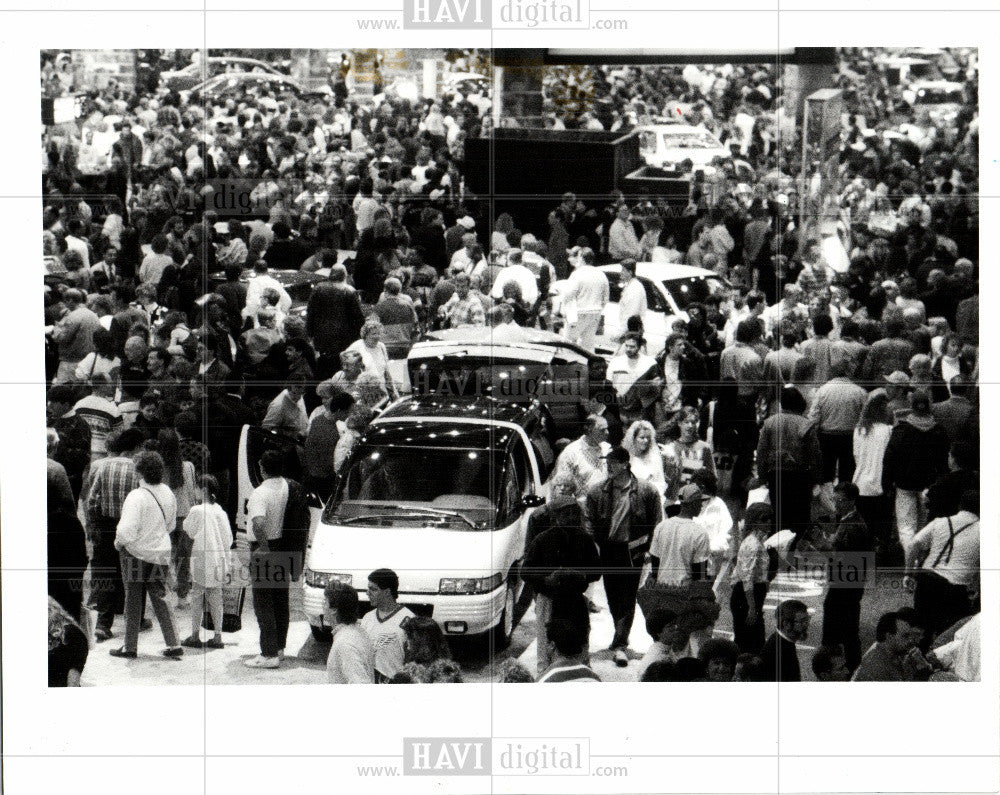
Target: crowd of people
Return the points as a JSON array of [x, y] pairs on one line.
[[826, 398]]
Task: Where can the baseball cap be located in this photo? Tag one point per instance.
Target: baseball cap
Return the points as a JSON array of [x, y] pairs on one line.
[[690, 493], [898, 378], [467, 221]]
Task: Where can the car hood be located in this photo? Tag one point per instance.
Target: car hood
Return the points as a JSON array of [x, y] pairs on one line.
[[421, 556], [700, 157]]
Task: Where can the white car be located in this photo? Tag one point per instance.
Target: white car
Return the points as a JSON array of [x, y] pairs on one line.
[[668, 145], [669, 290], [937, 100], [198, 71], [439, 490]]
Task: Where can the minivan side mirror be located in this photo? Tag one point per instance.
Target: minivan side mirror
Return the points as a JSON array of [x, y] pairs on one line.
[[532, 501]]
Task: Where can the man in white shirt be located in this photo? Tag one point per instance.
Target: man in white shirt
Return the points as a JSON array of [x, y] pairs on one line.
[[622, 240], [788, 312], [516, 272], [587, 293], [259, 282], [633, 300], [383, 624], [352, 655], [365, 204], [582, 461], [680, 549], [461, 260], [628, 367], [265, 518], [948, 547], [963, 655], [75, 241]]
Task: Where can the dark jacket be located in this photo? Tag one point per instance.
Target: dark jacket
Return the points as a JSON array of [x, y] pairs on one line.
[[692, 373], [562, 545], [946, 492], [333, 317], [917, 454], [781, 661], [967, 321], [73, 451], [953, 414], [887, 356], [789, 442], [644, 515]]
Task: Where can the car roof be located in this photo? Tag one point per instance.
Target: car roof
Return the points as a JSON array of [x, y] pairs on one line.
[[508, 336], [946, 85], [433, 349], [228, 59], [664, 271], [678, 128], [247, 77], [478, 412], [460, 436]]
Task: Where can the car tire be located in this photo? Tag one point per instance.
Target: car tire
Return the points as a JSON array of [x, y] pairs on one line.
[[501, 634], [322, 634]]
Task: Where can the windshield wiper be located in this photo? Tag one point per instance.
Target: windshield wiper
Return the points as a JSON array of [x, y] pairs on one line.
[[357, 519], [439, 512]]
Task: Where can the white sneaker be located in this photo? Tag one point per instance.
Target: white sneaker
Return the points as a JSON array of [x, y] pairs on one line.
[[262, 662]]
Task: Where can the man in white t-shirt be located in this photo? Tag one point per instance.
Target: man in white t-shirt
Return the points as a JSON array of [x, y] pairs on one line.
[[265, 518], [515, 271], [383, 624], [680, 549]]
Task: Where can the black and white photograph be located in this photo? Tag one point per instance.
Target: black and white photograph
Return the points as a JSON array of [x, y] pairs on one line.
[[408, 367], [491, 343]]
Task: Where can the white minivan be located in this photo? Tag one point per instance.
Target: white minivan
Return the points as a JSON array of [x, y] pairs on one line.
[[439, 490]]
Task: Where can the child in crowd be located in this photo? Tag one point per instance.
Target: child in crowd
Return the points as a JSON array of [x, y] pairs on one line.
[[212, 537]]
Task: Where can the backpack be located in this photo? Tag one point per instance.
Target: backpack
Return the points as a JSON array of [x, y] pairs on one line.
[[295, 527]]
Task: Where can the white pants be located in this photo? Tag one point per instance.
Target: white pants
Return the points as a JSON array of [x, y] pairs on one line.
[[586, 326], [213, 596], [910, 516]]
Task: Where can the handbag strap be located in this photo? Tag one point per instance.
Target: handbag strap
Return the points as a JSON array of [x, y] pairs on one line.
[[162, 512]]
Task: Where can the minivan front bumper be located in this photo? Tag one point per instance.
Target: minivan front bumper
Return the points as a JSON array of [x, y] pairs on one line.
[[456, 614]]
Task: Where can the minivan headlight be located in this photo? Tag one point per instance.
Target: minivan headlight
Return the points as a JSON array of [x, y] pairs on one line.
[[321, 579], [468, 585]]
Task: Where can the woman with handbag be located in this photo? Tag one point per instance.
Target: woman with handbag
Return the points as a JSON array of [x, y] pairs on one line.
[[143, 539], [750, 579]]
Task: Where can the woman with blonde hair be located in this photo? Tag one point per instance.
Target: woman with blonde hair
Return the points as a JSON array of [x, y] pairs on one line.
[[646, 460], [374, 354]]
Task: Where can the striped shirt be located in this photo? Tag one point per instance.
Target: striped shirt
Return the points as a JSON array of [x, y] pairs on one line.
[[111, 479], [569, 673], [103, 417]]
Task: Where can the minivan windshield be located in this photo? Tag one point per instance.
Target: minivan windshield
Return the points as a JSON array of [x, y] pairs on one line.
[[692, 288], [397, 486]]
